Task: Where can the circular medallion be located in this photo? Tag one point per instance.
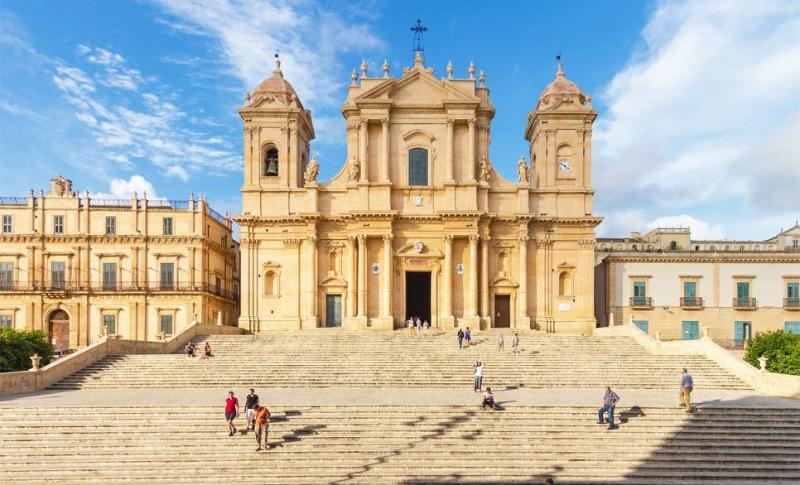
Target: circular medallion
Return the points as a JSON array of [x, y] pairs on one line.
[[375, 268], [460, 268]]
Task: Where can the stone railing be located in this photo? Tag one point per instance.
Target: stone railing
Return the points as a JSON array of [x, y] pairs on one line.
[[39, 378], [761, 379]]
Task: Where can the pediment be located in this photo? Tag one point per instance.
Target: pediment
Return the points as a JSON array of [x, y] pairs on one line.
[[418, 87], [503, 281], [333, 281]]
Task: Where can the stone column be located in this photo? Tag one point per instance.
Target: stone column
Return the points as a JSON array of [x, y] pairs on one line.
[[311, 277], [351, 276], [472, 308], [191, 266], [385, 150], [248, 286], [471, 152], [449, 161], [362, 275], [522, 298], [447, 278], [485, 276], [386, 300], [362, 150]]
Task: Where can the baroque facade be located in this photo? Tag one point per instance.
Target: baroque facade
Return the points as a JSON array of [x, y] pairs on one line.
[[669, 284], [417, 221], [77, 267]]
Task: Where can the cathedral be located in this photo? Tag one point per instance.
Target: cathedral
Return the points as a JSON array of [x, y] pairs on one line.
[[417, 221]]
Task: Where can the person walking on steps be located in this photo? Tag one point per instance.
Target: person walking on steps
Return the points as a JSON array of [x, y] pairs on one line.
[[686, 391], [501, 342], [460, 336], [261, 426], [515, 343], [231, 410], [609, 401], [468, 337], [250, 404], [478, 376]]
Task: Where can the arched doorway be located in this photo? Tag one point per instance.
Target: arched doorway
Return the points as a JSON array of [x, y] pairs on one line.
[[58, 324]]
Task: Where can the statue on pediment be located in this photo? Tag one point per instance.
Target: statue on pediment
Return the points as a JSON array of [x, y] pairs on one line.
[[312, 170], [485, 169], [522, 171], [354, 171]]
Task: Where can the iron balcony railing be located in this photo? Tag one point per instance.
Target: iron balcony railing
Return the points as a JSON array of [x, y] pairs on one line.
[[215, 215], [642, 301], [168, 204], [793, 302], [692, 302], [744, 303], [110, 202], [13, 201], [114, 287]]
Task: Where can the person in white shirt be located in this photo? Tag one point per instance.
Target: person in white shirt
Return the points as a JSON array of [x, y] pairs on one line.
[[478, 376]]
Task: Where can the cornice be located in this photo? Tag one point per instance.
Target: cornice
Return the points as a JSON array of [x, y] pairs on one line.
[[702, 258]]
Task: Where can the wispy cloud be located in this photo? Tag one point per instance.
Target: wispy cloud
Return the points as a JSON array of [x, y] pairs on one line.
[[706, 115], [246, 34]]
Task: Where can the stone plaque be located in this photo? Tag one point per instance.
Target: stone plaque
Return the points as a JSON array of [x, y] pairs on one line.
[[564, 307], [418, 262]]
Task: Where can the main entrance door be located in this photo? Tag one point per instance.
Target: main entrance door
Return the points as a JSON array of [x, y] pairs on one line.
[[418, 294], [502, 311], [59, 329], [333, 310]]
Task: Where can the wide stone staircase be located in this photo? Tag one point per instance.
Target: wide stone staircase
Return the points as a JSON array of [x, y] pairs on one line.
[[370, 360], [400, 444]]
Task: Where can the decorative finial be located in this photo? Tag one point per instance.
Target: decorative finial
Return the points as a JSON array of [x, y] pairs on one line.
[[482, 79], [471, 70], [560, 71], [418, 30], [353, 77], [449, 70], [363, 68], [277, 70], [385, 68], [247, 97], [418, 59]]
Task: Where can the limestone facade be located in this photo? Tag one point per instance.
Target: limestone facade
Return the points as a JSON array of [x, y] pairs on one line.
[[72, 265], [417, 221], [670, 284]]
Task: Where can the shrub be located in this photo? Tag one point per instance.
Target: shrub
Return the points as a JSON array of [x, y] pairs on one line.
[[17, 348], [781, 349]]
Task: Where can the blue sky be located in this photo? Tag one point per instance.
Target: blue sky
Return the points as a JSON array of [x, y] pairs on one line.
[[699, 102]]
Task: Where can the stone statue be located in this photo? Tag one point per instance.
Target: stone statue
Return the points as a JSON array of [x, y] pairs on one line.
[[312, 170], [522, 171], [485, 168], [355, 170]]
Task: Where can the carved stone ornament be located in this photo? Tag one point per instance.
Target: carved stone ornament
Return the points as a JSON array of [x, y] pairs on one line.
[[354, 171], [376, 268], [522, 171], [418, 246], [485, 169], [460, 268], [312, 170]]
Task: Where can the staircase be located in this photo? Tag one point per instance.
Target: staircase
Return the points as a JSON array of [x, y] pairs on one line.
[[393, 444], [399, 360]]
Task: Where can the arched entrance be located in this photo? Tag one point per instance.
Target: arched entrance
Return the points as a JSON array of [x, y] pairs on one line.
[[58, 324]]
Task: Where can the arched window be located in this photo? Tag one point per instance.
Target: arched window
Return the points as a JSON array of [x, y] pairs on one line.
[[673, 246], [270, 283], [564, 284], [270, 162], [418, 166]]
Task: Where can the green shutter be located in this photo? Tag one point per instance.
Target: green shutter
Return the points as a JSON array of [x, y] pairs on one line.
[[690, 330], [689, 289]]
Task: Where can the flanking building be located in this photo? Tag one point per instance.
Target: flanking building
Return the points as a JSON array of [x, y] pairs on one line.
[[417, 221], [75, 266], [672, 285]]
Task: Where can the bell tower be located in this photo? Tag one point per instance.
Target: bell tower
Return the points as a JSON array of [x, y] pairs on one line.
[[277, 134], [559, 131]]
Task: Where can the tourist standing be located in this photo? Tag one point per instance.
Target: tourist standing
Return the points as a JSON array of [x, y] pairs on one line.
[[609, 401], [686, 391], [478, 376], [515, 343], [501, 342], [250, 404], [231, 410], [467, 337], [460, 336], [261, 426]]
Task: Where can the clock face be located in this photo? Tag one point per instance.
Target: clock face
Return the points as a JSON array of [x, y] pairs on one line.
[[564, 165]]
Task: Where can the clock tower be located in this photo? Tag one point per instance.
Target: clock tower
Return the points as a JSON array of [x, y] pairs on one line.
[[559, 131]]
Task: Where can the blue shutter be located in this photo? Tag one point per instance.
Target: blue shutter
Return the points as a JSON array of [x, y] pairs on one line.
[[793, 290], [642, 324], [743, 330], [418, 166], [689, 289], [690, 330], [791, 327]]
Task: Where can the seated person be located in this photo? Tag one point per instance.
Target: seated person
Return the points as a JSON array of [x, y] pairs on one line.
[[207, 351], [190, 349], [488, 399]]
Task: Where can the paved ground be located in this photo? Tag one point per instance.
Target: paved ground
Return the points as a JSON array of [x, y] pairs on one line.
[[411, 397]]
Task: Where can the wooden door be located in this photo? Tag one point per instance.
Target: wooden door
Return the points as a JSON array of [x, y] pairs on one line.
[[59, 329], [333, 310], [502, 311]]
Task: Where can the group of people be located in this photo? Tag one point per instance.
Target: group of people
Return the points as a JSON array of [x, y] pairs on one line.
[[257, 417], [191, 348], [465, 340], [418, 326]]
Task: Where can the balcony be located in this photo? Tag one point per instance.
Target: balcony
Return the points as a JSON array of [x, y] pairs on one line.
[[641, 302], [62, 289], [791, 303], [692, 302], [744, 303]]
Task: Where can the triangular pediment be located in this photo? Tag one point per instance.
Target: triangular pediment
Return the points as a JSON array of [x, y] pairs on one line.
[[333, 281], [418, 87], [502, 280]]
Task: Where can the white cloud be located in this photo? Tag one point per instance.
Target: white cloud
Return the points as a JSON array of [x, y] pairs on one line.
[[706, 115], [248, 32], [125, 189], [700, 229]]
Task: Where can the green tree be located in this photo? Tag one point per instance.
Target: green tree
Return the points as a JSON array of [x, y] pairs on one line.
[[781, 349], [17, 348]]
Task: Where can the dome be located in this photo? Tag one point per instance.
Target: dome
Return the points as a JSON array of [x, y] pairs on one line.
[[560, 87], [277, 87]]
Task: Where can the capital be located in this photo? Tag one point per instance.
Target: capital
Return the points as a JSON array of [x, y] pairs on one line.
[[388, 237], [471, 122], [523, 238], [385, 121], [312, 238], [448, 238], [473, 238], [362, 238]]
